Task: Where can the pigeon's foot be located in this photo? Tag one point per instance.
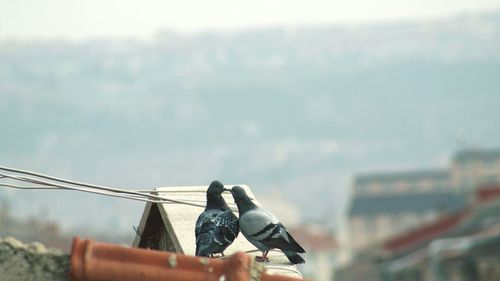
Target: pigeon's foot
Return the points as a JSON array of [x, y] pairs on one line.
[[262, 259]]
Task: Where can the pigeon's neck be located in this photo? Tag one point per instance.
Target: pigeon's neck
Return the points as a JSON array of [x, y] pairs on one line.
[[245, 205], [215, 201]]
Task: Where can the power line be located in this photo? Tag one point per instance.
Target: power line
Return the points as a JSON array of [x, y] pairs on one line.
[[45, 182]]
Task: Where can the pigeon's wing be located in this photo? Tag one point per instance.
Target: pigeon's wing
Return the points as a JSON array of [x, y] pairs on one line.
[[263, 227], [215, 231], [257, 223], [204, 232], [279, 237], [226, 228]]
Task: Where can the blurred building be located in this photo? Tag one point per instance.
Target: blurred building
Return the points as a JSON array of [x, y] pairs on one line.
[[386, 204], [473, 167], [390, 203], [321, 251], [316, 238], [462, 246]]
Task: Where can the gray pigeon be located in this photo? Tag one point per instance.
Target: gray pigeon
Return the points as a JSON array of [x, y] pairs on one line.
[[217, 226], [263, 229]]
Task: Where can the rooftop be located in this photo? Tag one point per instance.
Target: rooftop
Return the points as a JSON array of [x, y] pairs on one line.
[[409, 202], [476, 154], [462, 222], [424, 233], [401, 175]]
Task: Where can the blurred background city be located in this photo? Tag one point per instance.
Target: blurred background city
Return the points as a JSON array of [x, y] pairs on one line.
[[370, 129]]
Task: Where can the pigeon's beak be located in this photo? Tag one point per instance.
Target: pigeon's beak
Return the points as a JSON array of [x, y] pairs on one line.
[[227, 189]]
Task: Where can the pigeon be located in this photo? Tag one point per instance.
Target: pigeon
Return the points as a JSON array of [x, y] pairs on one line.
[[264, 230], [217, 226]]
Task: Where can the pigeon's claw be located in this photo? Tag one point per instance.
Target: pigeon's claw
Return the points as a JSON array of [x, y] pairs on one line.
[[264, 257]]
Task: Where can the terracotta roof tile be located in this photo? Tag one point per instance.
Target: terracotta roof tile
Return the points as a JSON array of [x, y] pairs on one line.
[[95, 261], [425, 233]]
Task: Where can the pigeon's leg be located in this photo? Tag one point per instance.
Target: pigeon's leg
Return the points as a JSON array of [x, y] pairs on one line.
[[222, 254], [264, 257], [265, 254]]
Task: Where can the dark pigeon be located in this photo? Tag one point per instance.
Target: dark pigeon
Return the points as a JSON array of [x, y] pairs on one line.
[[217, 227], [263, 229]]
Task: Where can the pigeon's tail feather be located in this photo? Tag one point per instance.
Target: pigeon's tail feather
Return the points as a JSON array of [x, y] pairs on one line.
[[198, 251], [297, 247], [202, 251], [293, 257]]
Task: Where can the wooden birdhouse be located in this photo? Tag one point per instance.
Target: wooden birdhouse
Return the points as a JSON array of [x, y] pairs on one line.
[[171, 227]]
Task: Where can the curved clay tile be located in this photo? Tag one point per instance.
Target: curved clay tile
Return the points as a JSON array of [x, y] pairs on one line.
[[95, 261]]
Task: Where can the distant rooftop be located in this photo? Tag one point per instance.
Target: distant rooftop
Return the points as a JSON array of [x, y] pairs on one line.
[[425, 232], [410, 202], [464, 222], [403, 175], [476, 154]]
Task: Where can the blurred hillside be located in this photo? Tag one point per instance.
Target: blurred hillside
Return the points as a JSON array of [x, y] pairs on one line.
[[284, 109], [41, 229]]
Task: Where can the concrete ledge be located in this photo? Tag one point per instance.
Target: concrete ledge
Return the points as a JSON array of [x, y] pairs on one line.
[[33, 261]]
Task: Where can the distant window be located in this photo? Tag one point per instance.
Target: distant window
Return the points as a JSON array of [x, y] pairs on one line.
[[375, 188], [385, 187], [490, 179], [464, 165], [430, 216], [357, 225], [383, 225], [370, 225], [413, 185], [426, 184], [494, 164], [360, 188], [411, 220], [466, 181], [442, 184], [401, 186]]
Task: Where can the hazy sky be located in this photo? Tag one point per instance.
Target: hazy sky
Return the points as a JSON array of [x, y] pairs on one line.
[[132, 18]]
